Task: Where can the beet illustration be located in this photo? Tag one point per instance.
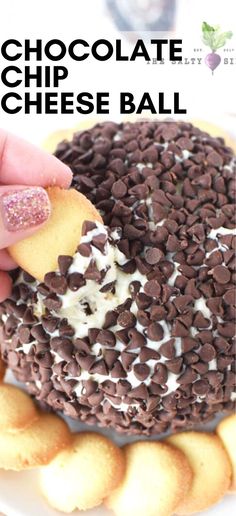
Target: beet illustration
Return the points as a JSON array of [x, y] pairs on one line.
[[212, 60], [214, 39]]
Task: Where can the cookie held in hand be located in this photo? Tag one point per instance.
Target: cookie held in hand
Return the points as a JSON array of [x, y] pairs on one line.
[[226, 430], [38, 254], [211, 470], [157, 477], [18, 411], [83, 474], [34, 446]]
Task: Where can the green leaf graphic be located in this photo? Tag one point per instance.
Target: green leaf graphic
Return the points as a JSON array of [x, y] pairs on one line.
[[213, 38]]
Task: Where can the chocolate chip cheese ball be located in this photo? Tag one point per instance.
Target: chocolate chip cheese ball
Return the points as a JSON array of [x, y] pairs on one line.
[[136, 330]]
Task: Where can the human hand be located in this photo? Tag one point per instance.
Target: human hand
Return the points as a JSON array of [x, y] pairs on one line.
[[24, 204]]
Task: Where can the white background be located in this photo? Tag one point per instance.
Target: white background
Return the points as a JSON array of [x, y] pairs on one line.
[[207, 97]]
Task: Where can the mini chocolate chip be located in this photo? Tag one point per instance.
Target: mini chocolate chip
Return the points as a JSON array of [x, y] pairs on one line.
[[92, 335], [200, 387], [99, 242], [50, 323], [148, 354], [95, 398], [85, 361], [117, 370], [223, 362], [188, 343], [179, 329], [126, 319], [155, 331], [215, 305], [123, 336], [106, 338], [84, 249], [139, 392], [39, 333], [82, 345], [143, 301], [215, 159], [207, 352], [200, 321], [44, 358], [110, 356], [92, 272], [153, 255], [58, 284], [137, 340], [53, 302], [221, 274], [99, 367], [174, 365], [88, 225], [72, 368], [65, 329], [183, 302], [24, 334], [75, 281], [90, 387], [188, 377], [226, 329], [141, 371], [152, 288], [127, 359], [230, 297], [168, 349], [119, 189], [184, 143], [123, 387], [214, 259], [160, 375], [108, 387], [157, 313], [110, 319], [29, 317]]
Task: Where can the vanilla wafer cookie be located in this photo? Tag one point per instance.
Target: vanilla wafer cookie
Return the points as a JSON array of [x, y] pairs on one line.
[[39, 253], [157, 477], [83, 474], [34, 446], [226, 430], [211, 470]]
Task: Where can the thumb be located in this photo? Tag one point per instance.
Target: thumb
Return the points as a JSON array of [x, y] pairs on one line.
[[22, 211]]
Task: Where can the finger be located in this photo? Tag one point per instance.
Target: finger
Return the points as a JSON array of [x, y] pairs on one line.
[[23, 163], [23, 210], [5, 285], [6, 261]]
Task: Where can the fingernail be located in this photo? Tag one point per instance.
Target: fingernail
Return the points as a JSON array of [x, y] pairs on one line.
[[24, 209]]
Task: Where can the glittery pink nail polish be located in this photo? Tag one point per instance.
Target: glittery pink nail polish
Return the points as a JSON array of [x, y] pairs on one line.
[[23, 209]]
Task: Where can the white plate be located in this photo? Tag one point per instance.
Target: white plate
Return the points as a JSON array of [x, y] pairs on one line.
[[20, 494]]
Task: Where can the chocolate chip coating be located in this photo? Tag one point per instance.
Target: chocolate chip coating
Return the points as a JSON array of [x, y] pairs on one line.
[[165, 353]]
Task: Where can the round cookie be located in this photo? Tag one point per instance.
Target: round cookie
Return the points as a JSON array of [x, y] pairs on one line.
[[157, 477], [18, 411], [210, 466], [34, 446], [83, 474], [38, 254], [2, 369], [226, 430], [135, 330]]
